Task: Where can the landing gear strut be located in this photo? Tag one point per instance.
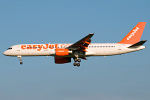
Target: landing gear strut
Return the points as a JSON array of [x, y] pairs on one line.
[[76, 60], [20, 59]]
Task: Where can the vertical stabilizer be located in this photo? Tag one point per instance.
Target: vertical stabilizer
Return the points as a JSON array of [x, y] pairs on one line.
[[134, 35]]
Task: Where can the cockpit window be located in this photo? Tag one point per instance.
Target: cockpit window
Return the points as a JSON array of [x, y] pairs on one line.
[[9, 48]]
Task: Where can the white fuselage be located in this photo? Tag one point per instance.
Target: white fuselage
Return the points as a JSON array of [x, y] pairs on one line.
[[81, 49], [94, 49]]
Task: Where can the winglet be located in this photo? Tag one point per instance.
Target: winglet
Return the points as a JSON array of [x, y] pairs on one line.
[[134, 35]]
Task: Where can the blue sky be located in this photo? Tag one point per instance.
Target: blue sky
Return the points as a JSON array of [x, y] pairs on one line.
[[124, 77]]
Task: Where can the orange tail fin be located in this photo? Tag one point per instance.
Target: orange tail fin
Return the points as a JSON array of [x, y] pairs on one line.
[[134, 35]]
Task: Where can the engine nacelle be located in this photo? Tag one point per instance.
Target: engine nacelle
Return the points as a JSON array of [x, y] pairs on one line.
[[62, 60], [62, 52]]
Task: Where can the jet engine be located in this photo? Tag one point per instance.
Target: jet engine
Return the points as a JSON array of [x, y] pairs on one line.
[[62, 60], [62, 52]]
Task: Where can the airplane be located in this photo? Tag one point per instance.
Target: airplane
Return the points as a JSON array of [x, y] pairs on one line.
[[83, 48]]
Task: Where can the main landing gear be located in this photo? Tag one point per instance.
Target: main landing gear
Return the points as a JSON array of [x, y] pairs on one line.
[[76, 60], [20, 59]]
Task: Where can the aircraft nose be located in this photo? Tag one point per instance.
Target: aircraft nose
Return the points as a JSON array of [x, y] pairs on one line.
[[5, 53]]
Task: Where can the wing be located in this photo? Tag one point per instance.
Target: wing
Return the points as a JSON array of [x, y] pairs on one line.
[[82, 44]]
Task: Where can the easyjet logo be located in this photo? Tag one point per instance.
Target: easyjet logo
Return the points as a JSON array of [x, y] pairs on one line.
[[132, 34], [43, 46]]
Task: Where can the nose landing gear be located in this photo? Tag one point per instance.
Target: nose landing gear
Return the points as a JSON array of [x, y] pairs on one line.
[[20, 59]]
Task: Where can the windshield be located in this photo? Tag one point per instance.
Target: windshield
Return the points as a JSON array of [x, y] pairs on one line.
[[9, 48]]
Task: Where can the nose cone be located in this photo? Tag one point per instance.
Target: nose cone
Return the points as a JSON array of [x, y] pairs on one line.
[[5, 53]]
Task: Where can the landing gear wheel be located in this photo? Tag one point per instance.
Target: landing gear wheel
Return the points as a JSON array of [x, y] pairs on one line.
[[75, 59], [74, 64], [21, 63], [79, 60], [78, 64]]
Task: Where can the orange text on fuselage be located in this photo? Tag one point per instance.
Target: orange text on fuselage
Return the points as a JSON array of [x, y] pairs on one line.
[[43, 46]]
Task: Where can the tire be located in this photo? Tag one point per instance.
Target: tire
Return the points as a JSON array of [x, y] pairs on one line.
[[21, 63], [79, 60], [75, 64], [78, 64], [75, 60]]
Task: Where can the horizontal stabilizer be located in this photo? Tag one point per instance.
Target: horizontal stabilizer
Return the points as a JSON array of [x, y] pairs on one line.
[[136, 45]]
